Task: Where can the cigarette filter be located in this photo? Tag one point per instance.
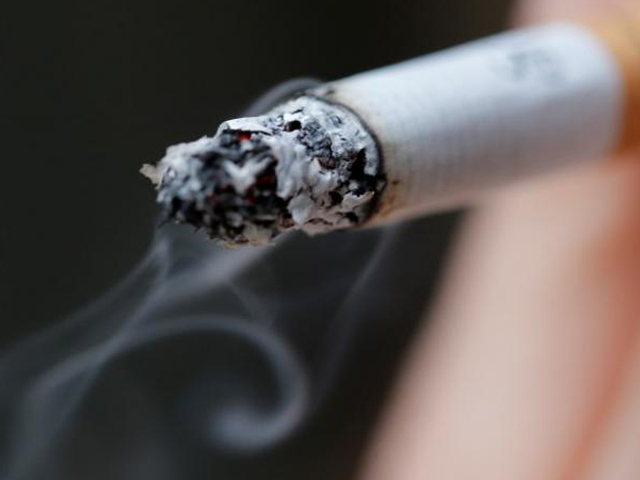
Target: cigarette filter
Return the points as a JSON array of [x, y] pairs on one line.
[[423, 135]]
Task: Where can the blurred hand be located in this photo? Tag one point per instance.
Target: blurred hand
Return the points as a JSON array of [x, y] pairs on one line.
[[531, 367]]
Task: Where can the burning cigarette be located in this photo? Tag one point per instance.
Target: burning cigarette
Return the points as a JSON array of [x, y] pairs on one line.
[[431, 133]]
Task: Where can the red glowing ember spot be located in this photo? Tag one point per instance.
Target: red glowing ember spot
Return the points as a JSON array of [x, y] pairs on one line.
[[265, 178], [244, 136]]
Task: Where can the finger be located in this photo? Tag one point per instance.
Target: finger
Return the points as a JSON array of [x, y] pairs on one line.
[[615, 456], [549, 10], [520, 377], [528, 347]]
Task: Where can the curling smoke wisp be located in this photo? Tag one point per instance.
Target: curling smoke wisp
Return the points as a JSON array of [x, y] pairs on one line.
[[205, 353]]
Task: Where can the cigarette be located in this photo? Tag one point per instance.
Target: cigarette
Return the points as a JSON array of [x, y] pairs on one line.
[[428, 134]]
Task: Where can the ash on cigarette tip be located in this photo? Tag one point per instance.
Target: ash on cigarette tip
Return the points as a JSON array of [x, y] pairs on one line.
[[307, 165]]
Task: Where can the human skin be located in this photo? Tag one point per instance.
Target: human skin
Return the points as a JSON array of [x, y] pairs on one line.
[[529, 367]]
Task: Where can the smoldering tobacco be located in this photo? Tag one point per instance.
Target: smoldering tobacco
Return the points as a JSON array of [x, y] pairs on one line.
[[307, 165]]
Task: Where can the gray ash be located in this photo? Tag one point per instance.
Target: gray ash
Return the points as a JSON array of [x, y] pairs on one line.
[[306, 165], [204, 195]]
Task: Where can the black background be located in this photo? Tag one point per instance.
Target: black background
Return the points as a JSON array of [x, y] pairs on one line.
[[91, 89]]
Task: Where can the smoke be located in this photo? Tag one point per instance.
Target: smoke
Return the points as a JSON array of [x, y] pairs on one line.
[[204, 352], [210, 363]]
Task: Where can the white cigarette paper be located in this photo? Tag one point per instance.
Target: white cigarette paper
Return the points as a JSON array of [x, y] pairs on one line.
[[428, 134], [453, 124]]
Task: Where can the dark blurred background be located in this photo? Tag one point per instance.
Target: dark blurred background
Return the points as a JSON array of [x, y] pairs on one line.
[[90, 90]]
